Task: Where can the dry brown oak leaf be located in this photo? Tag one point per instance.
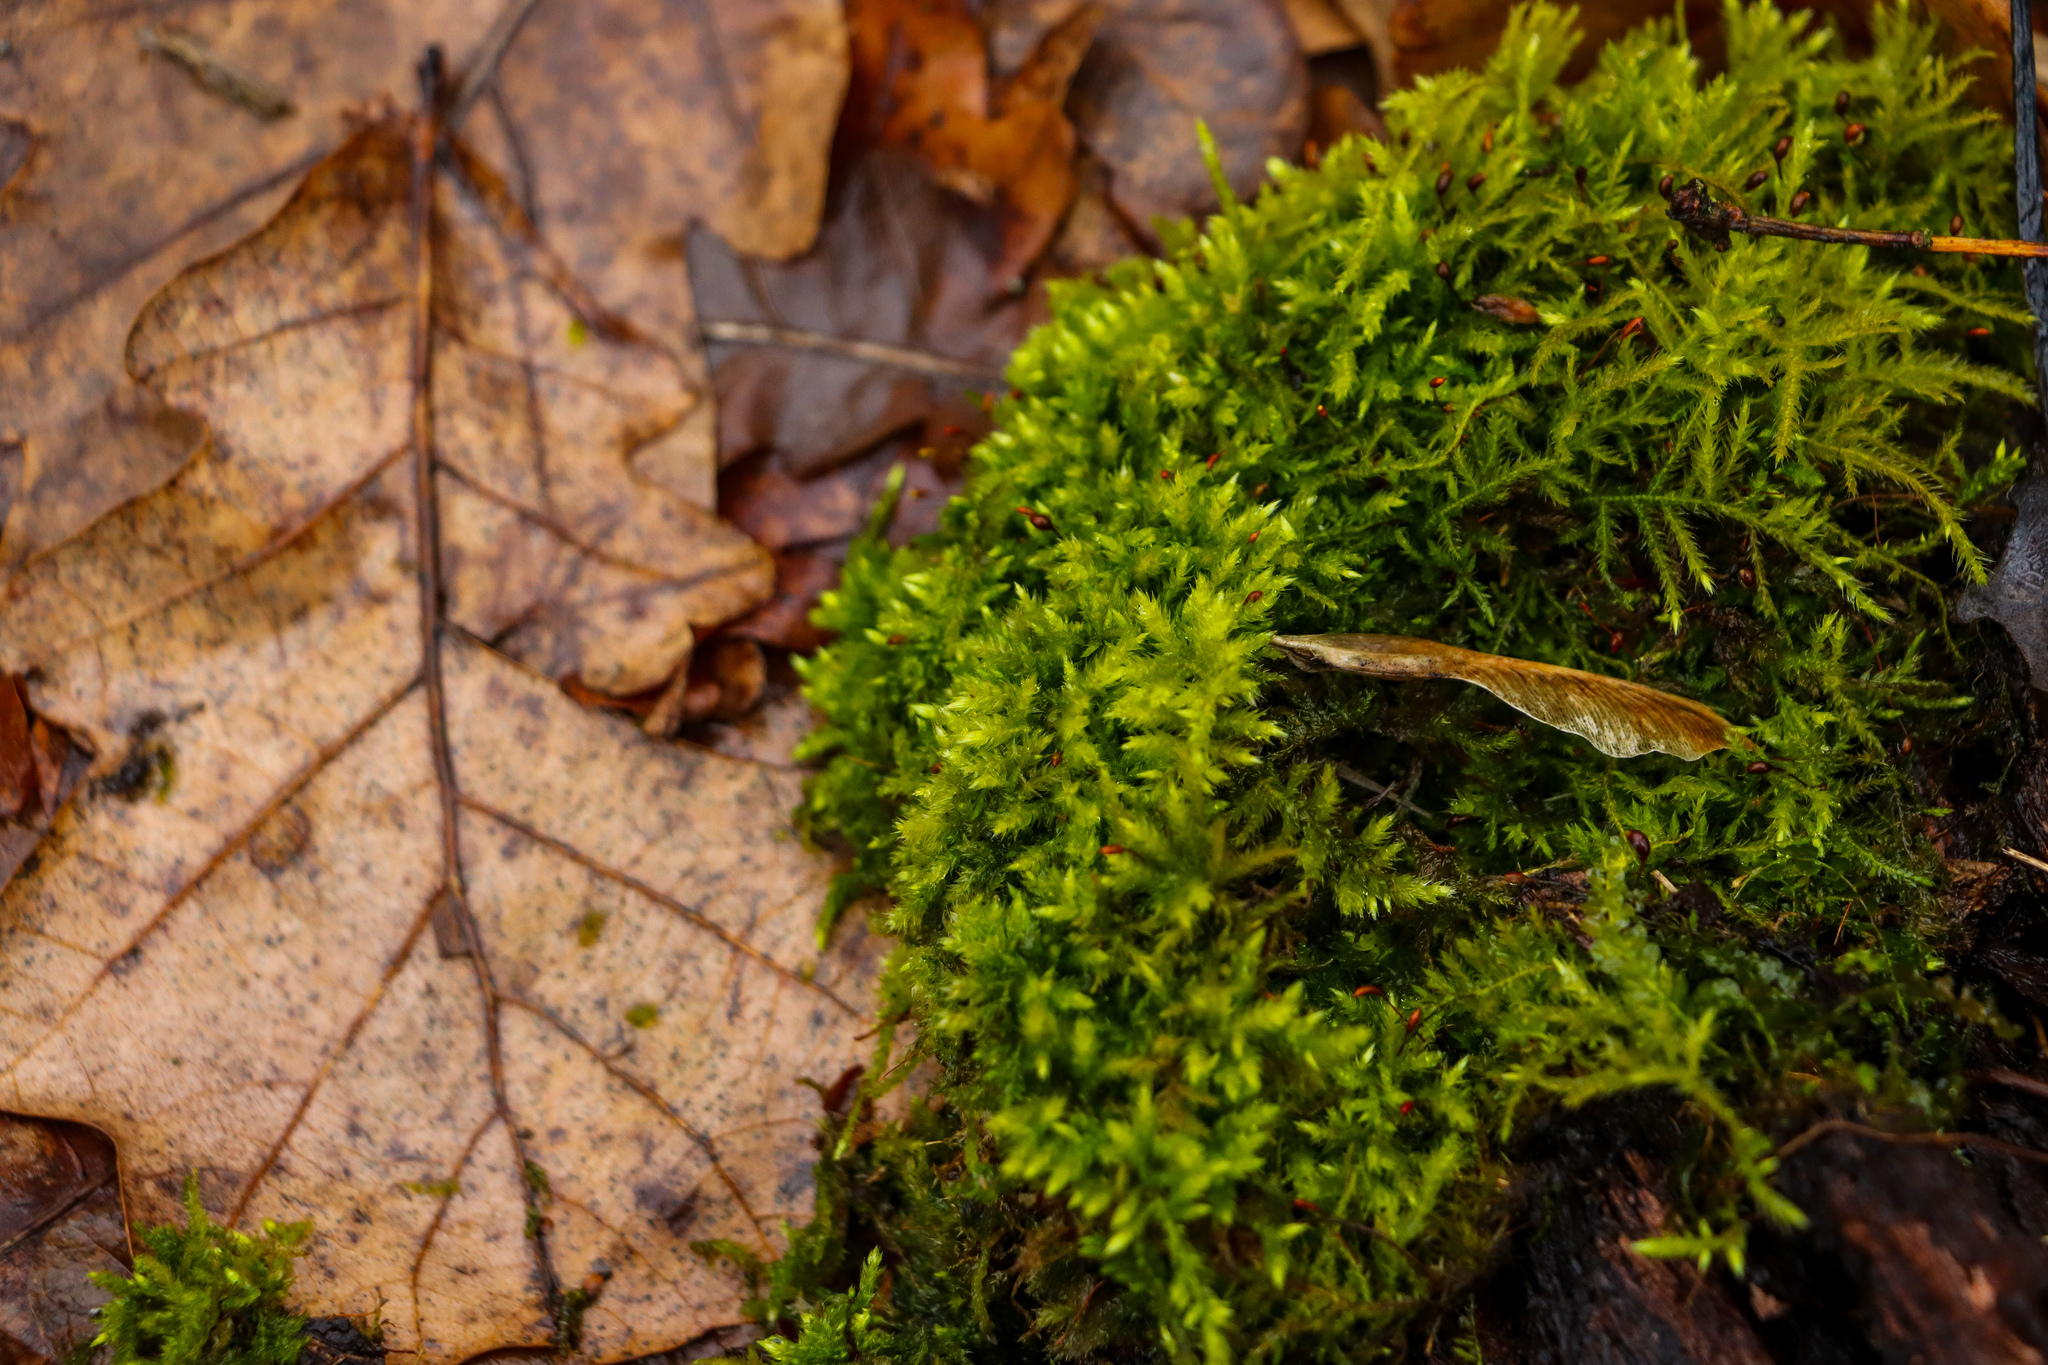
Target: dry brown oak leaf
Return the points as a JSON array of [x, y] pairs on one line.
[[122, 161], [394, 936]]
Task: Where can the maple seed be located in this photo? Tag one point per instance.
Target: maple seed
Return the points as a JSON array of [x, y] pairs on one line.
[[1437, 382], [1799, 202], [1664, 187], [1111, 850], [1780, 147], [1756, 178], [1640, 842], [1978, 332], [1853, 134], [1757, 768]]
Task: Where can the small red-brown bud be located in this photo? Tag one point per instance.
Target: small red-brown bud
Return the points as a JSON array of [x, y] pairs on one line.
[[1252, 539], [1443, 270], [1210, 463], [1111, 850], [1414, 1019], [1780, 147], [1443, 180], [1368, 990], [1598, 260], [1166, 474], [1640, 842], [1757, 767], [1756, 178], [1799, 202], [1955, 226], [1254, 595], [1842, 103], [1407, 1106], [1437, 382], [1664, 187], [1746, 577], [1475, 180], [897, 639], [1853, 134]]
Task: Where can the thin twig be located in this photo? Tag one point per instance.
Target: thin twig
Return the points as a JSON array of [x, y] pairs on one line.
[[2029, 859], [2026, 168], [2013, 1080], [1989, 1144], [215, 73], [1696, 208], [1380, 793], [875, 352], [483, 67]]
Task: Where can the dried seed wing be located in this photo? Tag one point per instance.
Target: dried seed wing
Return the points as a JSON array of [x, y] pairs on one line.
[[1620, 719]]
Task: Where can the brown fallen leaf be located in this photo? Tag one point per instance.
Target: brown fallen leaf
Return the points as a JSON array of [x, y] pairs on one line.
[[1518, 312], [871, 350], [624, 118], [359, 917], [1158, 66], [921, 80], [60, 1220], [1620, 719]]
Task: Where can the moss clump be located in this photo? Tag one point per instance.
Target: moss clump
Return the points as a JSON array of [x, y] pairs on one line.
[[205, 1295], [1234, 1048]]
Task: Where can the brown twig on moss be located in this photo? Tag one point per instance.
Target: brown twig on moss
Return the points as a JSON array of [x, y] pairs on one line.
[[1707, 217]]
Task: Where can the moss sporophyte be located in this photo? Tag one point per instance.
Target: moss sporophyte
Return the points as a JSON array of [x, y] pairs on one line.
[[1244, 985]]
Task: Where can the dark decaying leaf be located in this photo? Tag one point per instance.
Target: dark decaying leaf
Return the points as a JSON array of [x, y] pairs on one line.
[[1156, 67], [874, 348], [2016, 595], [1508, 309], [60, 1220], [1620, 719]]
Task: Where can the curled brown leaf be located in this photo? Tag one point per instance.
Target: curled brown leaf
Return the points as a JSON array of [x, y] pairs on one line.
[[1620, 719]]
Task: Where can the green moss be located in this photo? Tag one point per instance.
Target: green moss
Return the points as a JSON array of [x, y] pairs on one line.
[[205, 1295], [1137, 896]]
